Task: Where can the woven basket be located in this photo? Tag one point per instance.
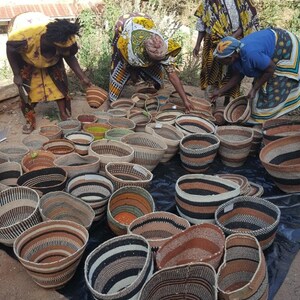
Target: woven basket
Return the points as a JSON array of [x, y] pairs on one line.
[[168, 116], [97, 130], [176, 99], [9, 173], [193, 281], [281, 159], [198, 196], [152, 106], [141, 119], [147, 90], [87, 119], [3, 158], [238, 110], [158, 227], [201, 104], [44, 180], [63, 206], [18, 212], [257, 141], [51, 251], [125, 205], [243, 273], [107, 280], [124, 103], [148, 149], [102, 116], [52, 132], [59, 147], [128, 174], [34, 141], [118, 112], [172, 106], [96, 96], [241, 180], [198, 151], [69, 126], [116, 134], [219, 116], [36, 160], [121, 123], [94, 189], [169, 134], [162, 98], [256, 190], [199, 243], [3, 187], [235, 144], [75, 164], [81, 141], [13, 151], [139, 99]]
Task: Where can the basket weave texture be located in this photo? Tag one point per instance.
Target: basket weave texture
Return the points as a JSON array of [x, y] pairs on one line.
[[13, 151], [59, 147], [238, 111], [121, 123], [96, 96], [38, 159], [34, 141], [9, 173], [116, 134], [52, 132], [97, 130], [69, 126], [81, 141]]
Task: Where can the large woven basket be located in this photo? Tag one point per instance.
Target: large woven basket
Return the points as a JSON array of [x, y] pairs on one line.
[[34, 141], [158, 227], [257, 141], [125, 205], [116, 134], [75, 164], [59, 147], [51, 251], [87, 119], [96, 96], [168, 116], [118, 268], [18, 212], [281, 159], [118, 112], [192, 281], [121, 123], [243, 273], [251, 215], [69, 126], [38, 159], [44, 180], [169, 134], [52, 132], [198, 196], [141, 119], [128, 174], [124, 103], [13, 151], [97, 130], [199, 243], [238, 110], [94, 189], [63, 206], [81, 141], [219, 116], [198, 151], [201, 104], [9, 173], [102, 116], [148, 149]]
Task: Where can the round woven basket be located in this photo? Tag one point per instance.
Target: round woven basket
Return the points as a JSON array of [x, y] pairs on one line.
[[201, 104], [152, 106], [9, 173], [168, 116], [176, 99], [18, 212], [63, 206], [219, 116], [139, 99], [13, 151], [199, 243], [169, 134], [96, 96], [121, 123], [51, 251], [128, 174], [147, 90], [103, 275], [81, 141], [69, 126], [238, 110], [251, 215], [75, 164], [243, 273], [256, 190], [141, 119], [87, 119], [148, 149], [198, 196], [158, 227], [59, 147], [281, 159], [102, 116], [193, 281], [241, 180], [198, 151], [116, 134], [124, 103], [44, 180], [38, 159], [257, 141], [94, 189], [97, 130], [125, 205], [172, 106], [163, 98], [52, 132], [34, 141], [118, 112]]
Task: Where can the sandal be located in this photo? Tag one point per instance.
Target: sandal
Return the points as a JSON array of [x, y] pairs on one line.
[[27, 128]]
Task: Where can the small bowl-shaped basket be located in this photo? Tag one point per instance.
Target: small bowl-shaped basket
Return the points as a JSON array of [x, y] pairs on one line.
[[121, 123], [118, 112], [102, 116], [52, 132], [34, 141], [158, 227], [44, 180], [176, 99], [51, 251], [116, 134], [59, 147], [13, 151], [63, 206], [69, 126], [147, 90], [19, 210], [87, 119], [9, 173], [257, 141], [201, 104], [139, 99], [152, 106], [97, 130], [103, 275], [238, 111], [75, 164], [124, 103], [96, 96], [81, 141], [241, 180], [125, 205], [256, 190], [94, 189], [38, 159], [168, 116], [251, 215], [219, 116], [141, 119], [199, 243], [128, 174], [171, 283]]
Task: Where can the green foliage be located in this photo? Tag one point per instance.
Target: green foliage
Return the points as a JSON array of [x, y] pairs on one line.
[[5, 71]]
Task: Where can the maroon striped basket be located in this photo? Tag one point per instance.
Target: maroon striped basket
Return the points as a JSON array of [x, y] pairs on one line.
[[238, 111]]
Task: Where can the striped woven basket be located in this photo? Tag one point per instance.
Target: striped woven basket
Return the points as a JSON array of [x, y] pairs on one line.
[[13, 151], [87, 119], [96, 96], [34, 141], [121, 123], [198, 196], [69, 126], [51, 251], [257, 141], [38, 159], [241, 180], [81, 141], [168, 116], [256, 190], [18, 212], [59, 147], [141, 119], [124, 103], [9, 173], [238, 111], [243, 273], [107, 280], [192, 281], [52, 132], [116, 134]]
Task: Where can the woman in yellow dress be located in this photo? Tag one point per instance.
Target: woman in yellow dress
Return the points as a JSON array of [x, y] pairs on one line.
[[36, 50]]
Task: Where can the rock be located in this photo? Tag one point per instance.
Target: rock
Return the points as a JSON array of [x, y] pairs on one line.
[[8, 91]]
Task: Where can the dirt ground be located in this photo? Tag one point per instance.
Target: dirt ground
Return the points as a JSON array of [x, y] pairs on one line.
[[14, 281]]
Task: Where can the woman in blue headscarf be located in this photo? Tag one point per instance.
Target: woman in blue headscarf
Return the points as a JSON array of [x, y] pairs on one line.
[[271, 56]]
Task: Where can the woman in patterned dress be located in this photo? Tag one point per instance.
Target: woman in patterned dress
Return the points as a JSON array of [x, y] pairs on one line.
[[140, 50]]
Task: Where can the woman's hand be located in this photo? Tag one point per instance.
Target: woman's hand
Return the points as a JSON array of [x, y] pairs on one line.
[[214, 96], [196, 51], [251, 94], [188, 106]]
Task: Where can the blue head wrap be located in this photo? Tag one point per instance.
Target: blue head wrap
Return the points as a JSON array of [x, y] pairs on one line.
[[227, 47]]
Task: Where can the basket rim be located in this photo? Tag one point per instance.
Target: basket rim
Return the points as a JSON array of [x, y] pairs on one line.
[[211, 135]]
